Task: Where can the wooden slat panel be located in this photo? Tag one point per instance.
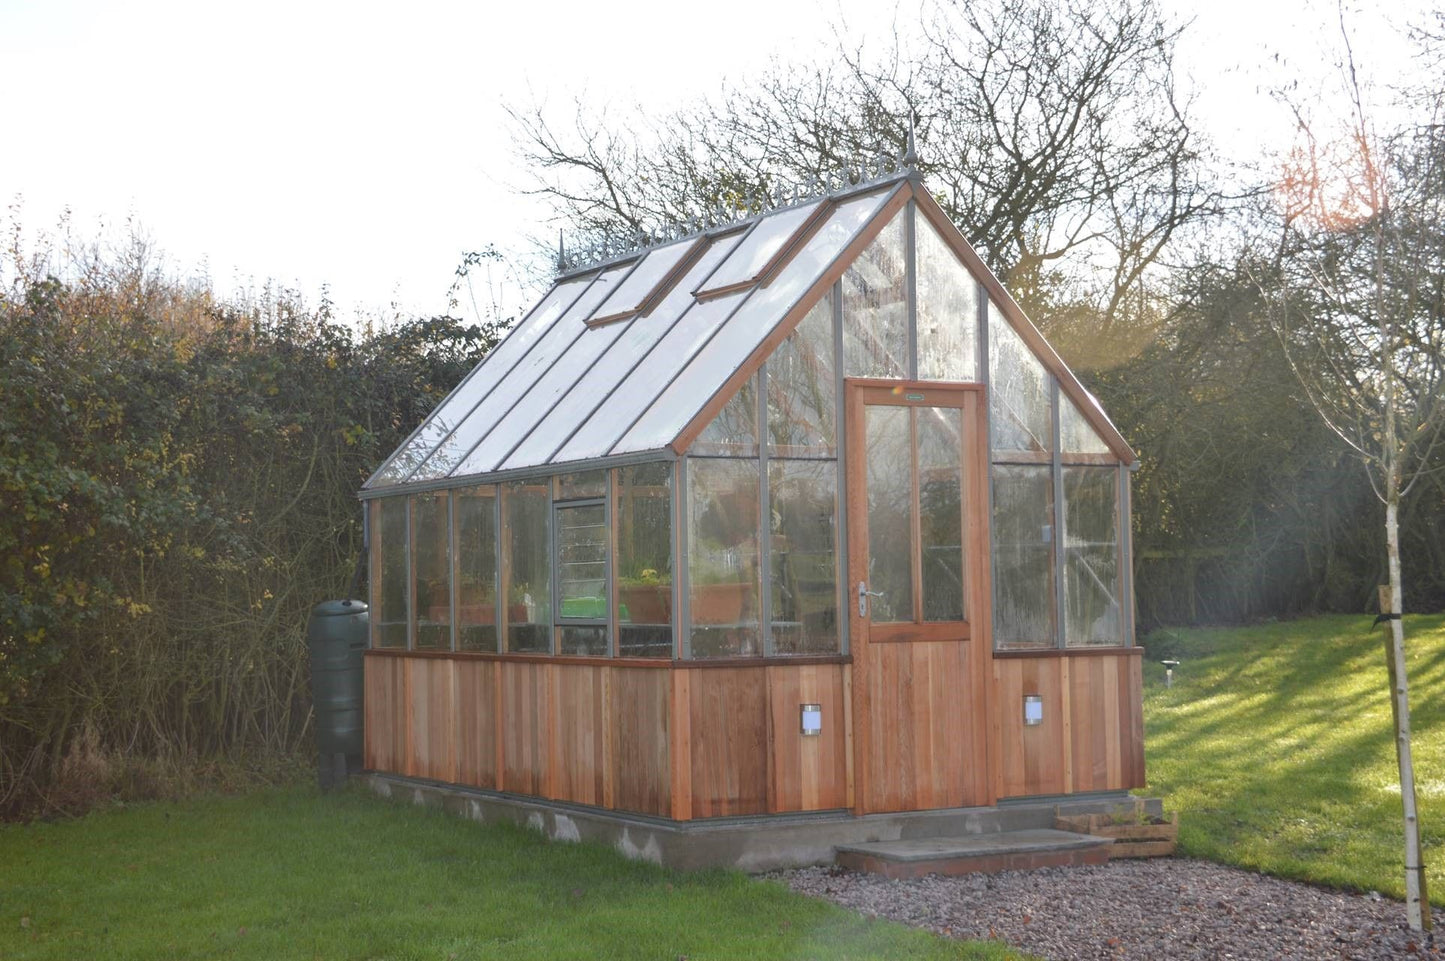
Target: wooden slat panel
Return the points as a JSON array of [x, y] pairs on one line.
[[807, 773], [384, 724], [579, 716], [1031, 759], [476, 724], [526, 727], [431, 719], [640, 734], [921, 708], [1134, 715], [729, 720]]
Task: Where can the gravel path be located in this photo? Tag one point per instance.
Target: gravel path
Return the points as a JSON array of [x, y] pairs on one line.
[[1144, 909]]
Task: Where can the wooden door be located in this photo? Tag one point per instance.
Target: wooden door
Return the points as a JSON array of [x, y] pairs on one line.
[[917, 566]]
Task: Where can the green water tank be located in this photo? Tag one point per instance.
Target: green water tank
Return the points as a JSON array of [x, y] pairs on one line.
[[336, 636]]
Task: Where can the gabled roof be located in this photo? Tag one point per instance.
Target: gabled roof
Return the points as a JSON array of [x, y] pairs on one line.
[[633, 356]]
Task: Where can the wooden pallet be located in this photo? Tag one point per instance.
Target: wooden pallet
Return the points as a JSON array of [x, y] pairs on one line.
[[1132, 839]]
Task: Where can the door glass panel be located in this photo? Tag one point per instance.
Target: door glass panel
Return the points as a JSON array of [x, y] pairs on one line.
[[940, 505], [889, 457]]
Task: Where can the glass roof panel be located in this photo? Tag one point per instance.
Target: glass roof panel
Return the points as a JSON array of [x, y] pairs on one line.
[[760, 247], [640, 389], [538, 401], [633, 292], [741, 335], [475, 386], [549, 347], [594, 389]]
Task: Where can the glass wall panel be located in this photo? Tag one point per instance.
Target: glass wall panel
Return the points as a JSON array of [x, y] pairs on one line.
[[1023, 551], [579, 641], [802, 389], [605, 376], [587, 483], [760, 246], [582, 561], [890, 512], [527, 566], [940, 509], [947, 309], [432, 567], [875, 306], [756, 318], [734, 431], [803, 561], [1018, 390], [475, 517], [723, 535], [389, 583], [1076, 435], [496, 365], [1091, 557], [644, 561]]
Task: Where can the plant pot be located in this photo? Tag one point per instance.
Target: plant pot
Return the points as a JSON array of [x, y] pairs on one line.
[[476, 613], [718, 603], [647, 603]]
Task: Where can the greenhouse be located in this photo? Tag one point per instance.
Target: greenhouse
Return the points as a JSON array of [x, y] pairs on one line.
[[795, 512]]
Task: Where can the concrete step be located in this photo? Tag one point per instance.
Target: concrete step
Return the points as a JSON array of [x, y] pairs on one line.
[[975, 854]]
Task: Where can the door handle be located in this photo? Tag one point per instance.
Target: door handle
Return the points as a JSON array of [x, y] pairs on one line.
[[863, 594]]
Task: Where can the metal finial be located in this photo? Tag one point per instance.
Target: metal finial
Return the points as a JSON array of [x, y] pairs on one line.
[[561, 252], [910, 153]]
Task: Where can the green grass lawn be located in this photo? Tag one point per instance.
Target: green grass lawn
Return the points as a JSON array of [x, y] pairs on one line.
[[1276, 748], [290, 874]]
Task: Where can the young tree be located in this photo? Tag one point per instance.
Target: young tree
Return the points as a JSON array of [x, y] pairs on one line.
[[1052, 134], [1356, 291]]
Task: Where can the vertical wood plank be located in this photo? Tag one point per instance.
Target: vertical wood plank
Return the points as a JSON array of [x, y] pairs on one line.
[[642, 775], [680, 720], [850, 788], [1066, 714]]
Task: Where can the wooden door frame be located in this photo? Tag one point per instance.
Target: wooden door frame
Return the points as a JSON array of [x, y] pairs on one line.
[[976, 648]]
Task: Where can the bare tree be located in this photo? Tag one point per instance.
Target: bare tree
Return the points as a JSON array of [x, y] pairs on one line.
[[1356, 292], [1052, 134]]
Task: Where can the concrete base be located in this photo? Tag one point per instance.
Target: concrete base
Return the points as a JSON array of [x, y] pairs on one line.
[[976, 854], [754, 844]]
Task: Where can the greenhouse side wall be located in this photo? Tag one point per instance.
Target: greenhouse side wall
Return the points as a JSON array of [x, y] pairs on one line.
[[681, 742]]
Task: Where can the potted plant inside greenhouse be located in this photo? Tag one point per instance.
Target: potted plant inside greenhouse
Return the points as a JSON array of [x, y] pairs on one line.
[[794, 512]]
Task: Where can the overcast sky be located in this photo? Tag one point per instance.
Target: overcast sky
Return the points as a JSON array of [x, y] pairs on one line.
[[366, 147]]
